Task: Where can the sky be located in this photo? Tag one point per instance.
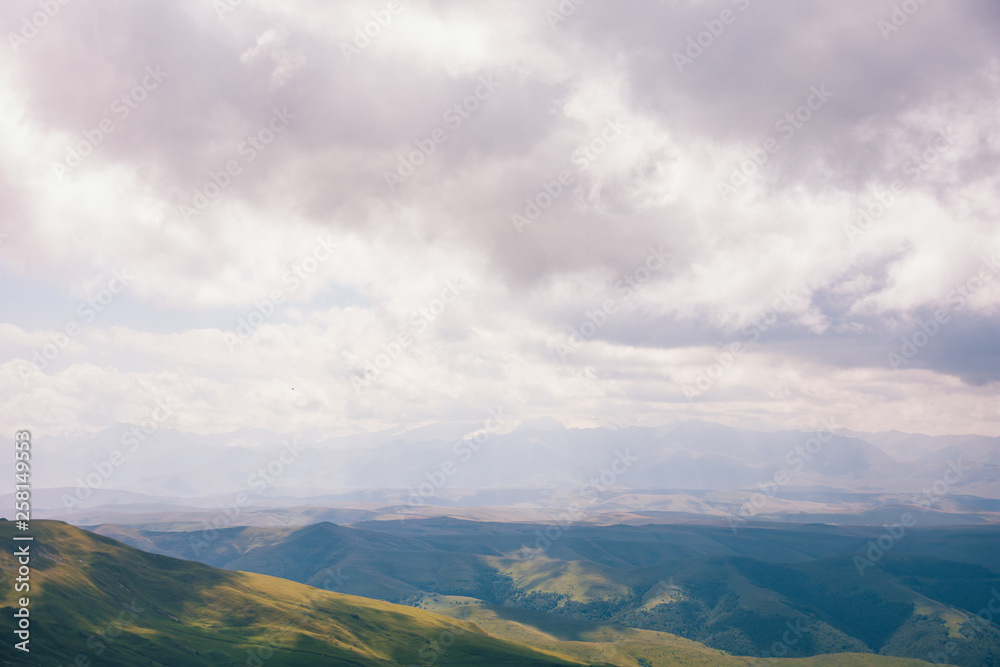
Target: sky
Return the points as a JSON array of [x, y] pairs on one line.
[[358, 215]]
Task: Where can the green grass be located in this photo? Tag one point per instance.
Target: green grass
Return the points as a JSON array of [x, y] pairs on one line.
[[625, 647], [116, 605], [96, 598], [734, 592]]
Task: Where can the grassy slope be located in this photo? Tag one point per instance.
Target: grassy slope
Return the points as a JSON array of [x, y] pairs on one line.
[[186, 613], [723, 598], [625, 646], [908, 606]]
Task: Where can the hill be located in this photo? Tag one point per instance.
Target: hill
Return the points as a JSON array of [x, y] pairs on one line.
[[739, 592], [114, 605], [96, 601]]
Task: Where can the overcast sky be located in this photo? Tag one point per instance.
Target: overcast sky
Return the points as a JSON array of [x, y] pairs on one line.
[[353, 215]]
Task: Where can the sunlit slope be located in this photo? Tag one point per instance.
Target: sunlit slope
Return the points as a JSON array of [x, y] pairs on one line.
[[597, 642], [734, 591], [907, 606], [115, 605]]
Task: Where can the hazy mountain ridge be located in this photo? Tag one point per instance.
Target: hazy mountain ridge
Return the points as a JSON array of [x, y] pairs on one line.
[[640, 507], [693, 455]]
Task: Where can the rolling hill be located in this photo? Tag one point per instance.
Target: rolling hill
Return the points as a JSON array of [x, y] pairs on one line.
[[735, 591], [110, 604], [97, 601]]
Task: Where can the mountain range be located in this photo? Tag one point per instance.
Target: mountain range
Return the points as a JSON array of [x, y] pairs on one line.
[[734, 591], [464, 463], [97, 601]]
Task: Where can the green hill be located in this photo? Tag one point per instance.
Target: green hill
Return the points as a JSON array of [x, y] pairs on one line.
[[735, 592], [597, 642], [96, 600]]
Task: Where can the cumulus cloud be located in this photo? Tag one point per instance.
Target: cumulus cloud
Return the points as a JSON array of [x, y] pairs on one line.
[[294, 188]]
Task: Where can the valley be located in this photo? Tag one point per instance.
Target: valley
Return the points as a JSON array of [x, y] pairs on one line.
[[737, 591]]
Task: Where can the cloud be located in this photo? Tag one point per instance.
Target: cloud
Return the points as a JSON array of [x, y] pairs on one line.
[[804, 150]]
